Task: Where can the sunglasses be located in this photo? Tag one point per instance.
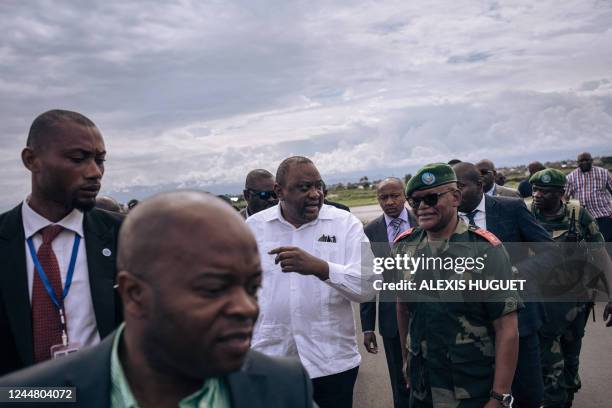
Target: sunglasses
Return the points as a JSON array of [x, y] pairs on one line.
[[264, 195], [485, 172], [429, 199]]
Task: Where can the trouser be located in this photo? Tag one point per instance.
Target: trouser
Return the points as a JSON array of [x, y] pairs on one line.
[[336, 390], [605, 227], [561, 340], [393, 353], [527, 386]]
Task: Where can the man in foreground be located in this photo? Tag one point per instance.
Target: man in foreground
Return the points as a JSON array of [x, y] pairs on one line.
[[461, 353], [189, 285], [311, 258], [57, 252]]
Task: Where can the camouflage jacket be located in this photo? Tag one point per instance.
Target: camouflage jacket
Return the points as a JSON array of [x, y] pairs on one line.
[[558, 226], [452, 342]]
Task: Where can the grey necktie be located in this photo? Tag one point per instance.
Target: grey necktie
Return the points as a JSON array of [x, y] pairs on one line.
[[396, 223]]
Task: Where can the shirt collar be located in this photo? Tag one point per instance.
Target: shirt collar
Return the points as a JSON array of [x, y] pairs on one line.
[[214, 392], [491, 191], [274, 213], [34, 222], [403, 216], [480, 207]]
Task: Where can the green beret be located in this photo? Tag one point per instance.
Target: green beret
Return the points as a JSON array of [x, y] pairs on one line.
[[548, 178], [430, 176]]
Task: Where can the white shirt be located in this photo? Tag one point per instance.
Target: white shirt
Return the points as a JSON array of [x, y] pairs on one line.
[[301, 315], [492, 192], [480, 218], [80, 317]]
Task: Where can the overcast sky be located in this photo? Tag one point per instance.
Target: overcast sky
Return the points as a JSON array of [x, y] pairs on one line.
[[199, 92]]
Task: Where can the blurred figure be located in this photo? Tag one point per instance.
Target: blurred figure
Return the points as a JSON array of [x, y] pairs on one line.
[[109, 204], [131, 204], [311, 256], [500, 179], [452, 162], [381, 232], [489, 173], [258, 192], [524, 187], [186, 337], [57, 252], [592, 186]]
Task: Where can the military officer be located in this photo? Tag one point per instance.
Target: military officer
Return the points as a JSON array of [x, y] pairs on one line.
[[460, 354], [561, 336]]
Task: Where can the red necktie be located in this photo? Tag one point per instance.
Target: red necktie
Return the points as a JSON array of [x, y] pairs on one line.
[[46, 326]]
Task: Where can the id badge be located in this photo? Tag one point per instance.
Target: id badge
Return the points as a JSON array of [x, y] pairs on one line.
[[61, 350]]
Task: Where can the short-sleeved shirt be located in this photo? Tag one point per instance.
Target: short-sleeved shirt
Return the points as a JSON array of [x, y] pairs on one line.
[[592, 189], [452, 343]]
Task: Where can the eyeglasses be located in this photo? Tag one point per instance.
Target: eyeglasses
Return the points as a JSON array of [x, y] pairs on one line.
[[429, 199], [264, 195]]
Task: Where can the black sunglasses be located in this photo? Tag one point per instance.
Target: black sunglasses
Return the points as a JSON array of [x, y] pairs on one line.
[[429, 199], [264, 195]]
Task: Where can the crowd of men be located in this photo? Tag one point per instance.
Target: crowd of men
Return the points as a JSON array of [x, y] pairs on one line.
[[186, 302]]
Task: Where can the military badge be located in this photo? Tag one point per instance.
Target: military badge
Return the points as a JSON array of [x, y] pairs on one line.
[[545, 178], [428, 178]]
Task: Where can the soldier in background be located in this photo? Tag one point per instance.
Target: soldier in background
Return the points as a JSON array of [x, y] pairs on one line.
[[561, 336], [461, 354]]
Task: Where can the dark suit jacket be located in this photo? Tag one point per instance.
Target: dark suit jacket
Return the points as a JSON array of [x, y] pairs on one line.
[[262, 382], [510, 221], [376, 231], [100, 229]]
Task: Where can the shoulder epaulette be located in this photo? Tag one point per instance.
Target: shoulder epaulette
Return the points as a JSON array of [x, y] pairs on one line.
[[404, 234], [488, 235]]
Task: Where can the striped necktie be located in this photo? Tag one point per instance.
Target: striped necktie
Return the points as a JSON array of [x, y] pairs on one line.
[[396, 224]]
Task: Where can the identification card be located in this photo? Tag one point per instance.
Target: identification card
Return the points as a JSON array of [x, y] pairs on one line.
[[60, 350]]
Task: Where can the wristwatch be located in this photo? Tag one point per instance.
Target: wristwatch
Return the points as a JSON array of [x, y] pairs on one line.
[[506, 400]]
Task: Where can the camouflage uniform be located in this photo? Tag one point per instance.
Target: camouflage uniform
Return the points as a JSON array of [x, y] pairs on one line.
[[452, 344], [561, 336]]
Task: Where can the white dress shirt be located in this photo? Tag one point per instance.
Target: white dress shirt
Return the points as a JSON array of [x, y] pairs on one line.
[[80, 317], [302, 315], [480, 218]]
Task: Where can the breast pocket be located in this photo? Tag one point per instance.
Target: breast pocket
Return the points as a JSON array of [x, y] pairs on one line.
[[327, 251]]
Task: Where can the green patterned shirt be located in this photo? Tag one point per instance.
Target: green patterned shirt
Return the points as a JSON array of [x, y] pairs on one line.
[[213, 394]]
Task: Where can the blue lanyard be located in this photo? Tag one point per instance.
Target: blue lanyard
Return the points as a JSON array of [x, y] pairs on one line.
[[43, 275]]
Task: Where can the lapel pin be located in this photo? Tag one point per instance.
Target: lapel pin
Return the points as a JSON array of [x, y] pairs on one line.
[[106, 252]]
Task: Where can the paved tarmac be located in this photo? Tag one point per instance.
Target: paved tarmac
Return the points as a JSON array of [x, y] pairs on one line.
[[373, 389]]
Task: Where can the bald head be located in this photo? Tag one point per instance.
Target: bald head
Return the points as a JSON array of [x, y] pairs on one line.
[[189, 273], [467, 171], [534, 167], [585, 161], [254, 178], [488, 173], [469, 181], [156, 229], [108, 203], [391, 181]]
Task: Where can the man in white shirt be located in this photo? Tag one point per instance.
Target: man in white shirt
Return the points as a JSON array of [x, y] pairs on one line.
[[311, 260], [57, 253]]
